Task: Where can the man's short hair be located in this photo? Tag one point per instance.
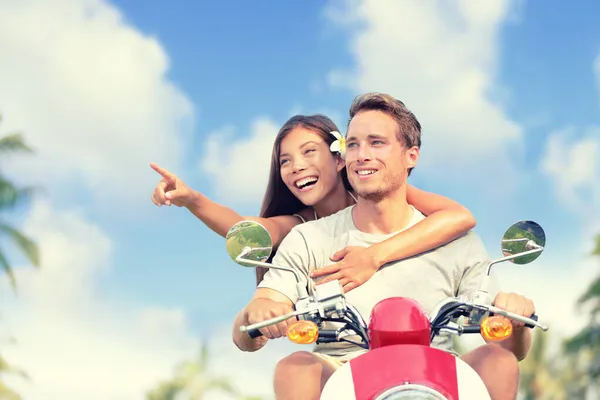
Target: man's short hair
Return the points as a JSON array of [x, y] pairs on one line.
[[409, 128]]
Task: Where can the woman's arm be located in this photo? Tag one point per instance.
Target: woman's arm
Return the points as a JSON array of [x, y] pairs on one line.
[[172, 190], [445, 221], [220, 218]]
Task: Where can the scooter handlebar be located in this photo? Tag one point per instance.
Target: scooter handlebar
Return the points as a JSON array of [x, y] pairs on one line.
[[254, 329]]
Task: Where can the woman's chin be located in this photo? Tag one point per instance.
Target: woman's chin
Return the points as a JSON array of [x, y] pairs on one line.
[[309, 198]]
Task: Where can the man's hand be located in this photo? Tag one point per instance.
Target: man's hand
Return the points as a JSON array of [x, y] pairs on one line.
[[357, 265], [170, 189], [262, 309], [516, 304]]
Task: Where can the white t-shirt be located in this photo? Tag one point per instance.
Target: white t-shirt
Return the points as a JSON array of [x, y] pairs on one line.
[[450, 270]]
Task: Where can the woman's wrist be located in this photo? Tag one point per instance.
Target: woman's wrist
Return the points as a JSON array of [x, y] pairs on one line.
[[194, 201], [379, 254]]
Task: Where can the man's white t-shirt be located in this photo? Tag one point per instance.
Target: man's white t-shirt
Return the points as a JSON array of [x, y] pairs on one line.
[[450, 270]]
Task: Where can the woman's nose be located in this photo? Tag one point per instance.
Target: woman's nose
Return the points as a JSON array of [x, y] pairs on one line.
[[298, 166]]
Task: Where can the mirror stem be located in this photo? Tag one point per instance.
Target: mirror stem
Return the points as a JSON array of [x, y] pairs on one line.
[[302, 292], [513, 256], [486, 279]]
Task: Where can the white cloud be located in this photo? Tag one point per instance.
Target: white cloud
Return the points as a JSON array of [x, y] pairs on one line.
[[91, 94], [239, 166], [572, 162], [73, 340], [440, 58]]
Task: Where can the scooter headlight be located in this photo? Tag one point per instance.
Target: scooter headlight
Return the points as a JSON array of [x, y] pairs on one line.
[[411, 392]]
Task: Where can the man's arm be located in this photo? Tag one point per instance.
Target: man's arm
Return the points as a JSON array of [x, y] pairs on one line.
[[275, 295], [520, 341], [265, 304], [476, 263]]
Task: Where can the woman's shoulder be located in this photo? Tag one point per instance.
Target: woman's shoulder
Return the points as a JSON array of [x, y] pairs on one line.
[[305, 215], [331, 225]]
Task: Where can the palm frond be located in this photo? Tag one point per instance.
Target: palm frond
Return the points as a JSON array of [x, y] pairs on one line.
[[193, 380], [8, 269], [222, 384], [592, 292], [14, 142], [534, 368], [164, 391], [5, 367], [7, 393], [589, 337], [204, 356], [11, 196], [596, 251], [27, 246]]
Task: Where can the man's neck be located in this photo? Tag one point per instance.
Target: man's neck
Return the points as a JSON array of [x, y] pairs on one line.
[[389, 215]]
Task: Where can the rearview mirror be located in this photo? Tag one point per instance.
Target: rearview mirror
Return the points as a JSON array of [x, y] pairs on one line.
[[248, 240], [521, 237]]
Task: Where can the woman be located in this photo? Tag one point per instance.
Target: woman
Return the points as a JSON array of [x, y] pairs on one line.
[[308, 181]]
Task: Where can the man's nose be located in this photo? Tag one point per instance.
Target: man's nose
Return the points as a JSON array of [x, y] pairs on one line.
[[364, 153]]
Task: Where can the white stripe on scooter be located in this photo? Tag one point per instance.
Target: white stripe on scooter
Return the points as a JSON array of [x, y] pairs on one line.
[[470, 385], [340, 385]]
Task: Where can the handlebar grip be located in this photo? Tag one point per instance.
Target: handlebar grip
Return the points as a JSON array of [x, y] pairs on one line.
[[533, 317], [327, 336], [254, 333], [471, 329]]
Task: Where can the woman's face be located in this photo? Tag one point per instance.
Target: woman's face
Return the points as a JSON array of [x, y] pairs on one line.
[[307, 166]]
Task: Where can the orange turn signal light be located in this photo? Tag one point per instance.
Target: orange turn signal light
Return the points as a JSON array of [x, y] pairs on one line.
[[303, 332], [496, 328]]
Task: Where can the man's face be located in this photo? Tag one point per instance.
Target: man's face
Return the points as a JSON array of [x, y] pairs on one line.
[[376, 161]]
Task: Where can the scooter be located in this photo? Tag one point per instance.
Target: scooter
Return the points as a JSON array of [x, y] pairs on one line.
[[399, 362]]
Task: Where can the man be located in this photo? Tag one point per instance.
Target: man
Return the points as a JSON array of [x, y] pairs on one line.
[[383, 142]]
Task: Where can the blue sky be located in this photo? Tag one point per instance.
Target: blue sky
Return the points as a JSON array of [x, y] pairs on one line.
[[508, 97], [284, 50], [237, 60]]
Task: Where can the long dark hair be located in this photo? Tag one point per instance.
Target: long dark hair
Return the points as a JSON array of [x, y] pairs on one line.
[[278, 199]]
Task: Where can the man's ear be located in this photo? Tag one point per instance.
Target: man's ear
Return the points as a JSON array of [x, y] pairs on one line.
[[412, 157]]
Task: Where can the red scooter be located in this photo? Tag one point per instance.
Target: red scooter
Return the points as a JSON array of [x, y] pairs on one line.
[[399, 362]]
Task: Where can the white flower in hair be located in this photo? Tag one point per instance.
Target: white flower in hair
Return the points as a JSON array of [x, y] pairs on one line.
[[338, 146]]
